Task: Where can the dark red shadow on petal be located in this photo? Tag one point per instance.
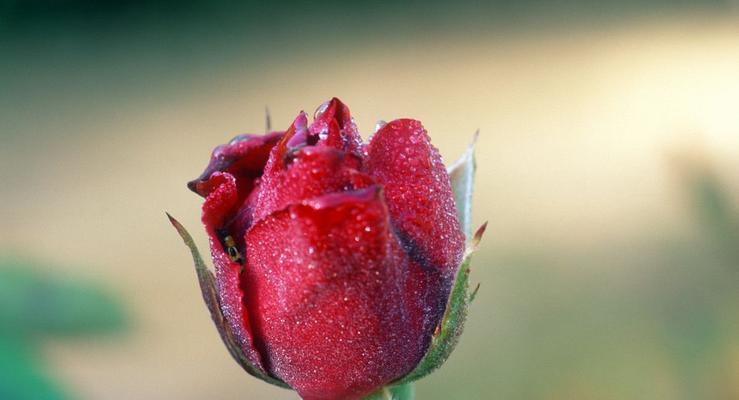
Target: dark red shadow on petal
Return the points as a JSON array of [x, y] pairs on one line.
[[421, 204], [241, 162], [418, 192], [219, 205], [244, 157]]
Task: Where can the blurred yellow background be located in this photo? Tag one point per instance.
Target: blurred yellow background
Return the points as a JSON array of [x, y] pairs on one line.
[[608, 169]]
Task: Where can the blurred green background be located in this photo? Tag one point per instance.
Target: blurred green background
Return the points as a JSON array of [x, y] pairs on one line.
[[608, 169]]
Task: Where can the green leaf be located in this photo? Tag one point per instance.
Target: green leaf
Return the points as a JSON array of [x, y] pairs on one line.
[[22, 376], [210, 295], [35, 302], [399, 392], [462, 176]]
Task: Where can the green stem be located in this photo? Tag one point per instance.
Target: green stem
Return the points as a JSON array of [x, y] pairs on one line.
[[401, 392]]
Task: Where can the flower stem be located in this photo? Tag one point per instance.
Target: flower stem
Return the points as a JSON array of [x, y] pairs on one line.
[[401, 392]]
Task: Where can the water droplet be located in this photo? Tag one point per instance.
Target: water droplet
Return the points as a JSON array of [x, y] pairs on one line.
[[321, 109]]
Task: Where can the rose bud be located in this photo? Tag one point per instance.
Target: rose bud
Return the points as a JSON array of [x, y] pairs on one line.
[[340, 267]]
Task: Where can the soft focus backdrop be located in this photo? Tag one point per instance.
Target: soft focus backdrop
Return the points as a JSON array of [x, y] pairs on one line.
[[608, 169]]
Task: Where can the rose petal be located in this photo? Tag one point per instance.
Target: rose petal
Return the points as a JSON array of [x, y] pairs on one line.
[[323, 284], [421, 205], [217, 207], [243, 157], [313, 171], [241, 161], [418, 193], [335, 127], [295, 137]]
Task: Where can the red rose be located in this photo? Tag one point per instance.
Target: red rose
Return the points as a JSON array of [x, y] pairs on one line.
[[334, 260]]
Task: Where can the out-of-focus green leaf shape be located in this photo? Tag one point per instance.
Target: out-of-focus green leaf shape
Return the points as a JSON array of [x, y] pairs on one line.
[[37, 303], [401, 392], [714, 208], [21, 378]]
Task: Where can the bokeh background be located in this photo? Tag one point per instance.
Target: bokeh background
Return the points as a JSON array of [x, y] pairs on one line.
[[608, 170]]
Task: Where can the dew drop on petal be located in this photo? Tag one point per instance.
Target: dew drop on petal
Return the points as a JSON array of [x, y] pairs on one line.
[[321, 109], [379, 125]]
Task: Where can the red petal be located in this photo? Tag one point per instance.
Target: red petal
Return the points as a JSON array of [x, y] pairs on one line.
[[336, 128], [324, 290], [313, 171], [240, 162], [243, 157], [418, 193], [421, 205], [296, 136], [218, 205]]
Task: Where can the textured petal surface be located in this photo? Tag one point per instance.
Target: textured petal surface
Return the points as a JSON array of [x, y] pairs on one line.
[[310, 161], [323, 284], [421, 206], [335, 127], [313, 171], [243, 157], [334, 260], [210, 295], [295, 138], [217, 207], [227, 181], [418, 193], [241, 162]]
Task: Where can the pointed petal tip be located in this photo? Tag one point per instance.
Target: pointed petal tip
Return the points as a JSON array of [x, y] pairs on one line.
[[467, 156], [473, 143], [175, 223], [478, 235], [192, 185], [471, 146], [474, 293]]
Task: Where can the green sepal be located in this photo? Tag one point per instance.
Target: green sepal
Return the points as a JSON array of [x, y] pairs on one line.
[[398, 392], [450, 327], [210, 295], [462, 177]]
